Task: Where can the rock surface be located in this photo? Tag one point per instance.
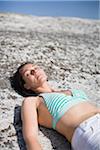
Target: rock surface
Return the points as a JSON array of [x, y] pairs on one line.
[[69, 51]]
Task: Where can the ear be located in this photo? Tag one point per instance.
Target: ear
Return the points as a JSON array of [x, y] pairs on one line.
[[26, 86]]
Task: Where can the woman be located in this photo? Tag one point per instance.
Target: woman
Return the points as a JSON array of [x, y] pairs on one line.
[[68, 112]]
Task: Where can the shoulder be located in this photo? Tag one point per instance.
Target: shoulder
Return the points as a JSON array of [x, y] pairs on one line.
[[31, 99]]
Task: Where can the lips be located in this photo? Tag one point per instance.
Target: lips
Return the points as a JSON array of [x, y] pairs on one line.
[[40, 75], [37, 73]]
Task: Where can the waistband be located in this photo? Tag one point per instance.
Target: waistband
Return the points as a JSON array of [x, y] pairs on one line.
[[89, 120], [84, 125], [86, 135]]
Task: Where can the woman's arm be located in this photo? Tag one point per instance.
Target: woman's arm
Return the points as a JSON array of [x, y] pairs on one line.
[[30, 123]]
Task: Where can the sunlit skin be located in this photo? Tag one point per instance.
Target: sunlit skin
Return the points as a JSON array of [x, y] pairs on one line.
[[34, 76], [36, 80]]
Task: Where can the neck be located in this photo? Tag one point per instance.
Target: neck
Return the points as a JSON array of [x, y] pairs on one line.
[[45, 88]]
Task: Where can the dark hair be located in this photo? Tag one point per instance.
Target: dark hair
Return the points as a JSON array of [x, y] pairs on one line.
[[17, 83]]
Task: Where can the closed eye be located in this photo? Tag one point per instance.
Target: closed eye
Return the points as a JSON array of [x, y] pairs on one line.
[[27, 74], [36, 67]]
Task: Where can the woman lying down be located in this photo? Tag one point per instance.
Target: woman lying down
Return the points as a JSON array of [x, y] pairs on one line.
[[68, 112]]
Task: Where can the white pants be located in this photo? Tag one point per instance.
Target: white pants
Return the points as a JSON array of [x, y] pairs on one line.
[[87, 135]]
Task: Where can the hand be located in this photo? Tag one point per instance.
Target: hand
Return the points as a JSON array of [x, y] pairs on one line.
[[67, 92]]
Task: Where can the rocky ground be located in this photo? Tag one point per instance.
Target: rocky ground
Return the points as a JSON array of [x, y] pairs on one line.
[[69, 51]]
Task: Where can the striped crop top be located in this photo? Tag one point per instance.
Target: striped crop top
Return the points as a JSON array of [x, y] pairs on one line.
[[59, 103]]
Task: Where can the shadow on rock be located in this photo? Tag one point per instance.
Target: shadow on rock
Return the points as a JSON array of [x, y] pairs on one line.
[[57, 140], [18, 127]]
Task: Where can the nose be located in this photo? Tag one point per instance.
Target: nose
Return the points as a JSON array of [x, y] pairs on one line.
[[32, 72]]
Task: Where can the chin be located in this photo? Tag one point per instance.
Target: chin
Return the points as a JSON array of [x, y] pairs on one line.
[[43, 81]]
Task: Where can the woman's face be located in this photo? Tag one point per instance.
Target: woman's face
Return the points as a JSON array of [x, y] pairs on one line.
[[33, 76]]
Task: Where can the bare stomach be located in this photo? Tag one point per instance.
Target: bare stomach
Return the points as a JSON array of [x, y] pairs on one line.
[[73, 117], [70, 120]]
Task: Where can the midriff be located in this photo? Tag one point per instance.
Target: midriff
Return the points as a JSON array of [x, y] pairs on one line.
[[73, 117], [70, 120]]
